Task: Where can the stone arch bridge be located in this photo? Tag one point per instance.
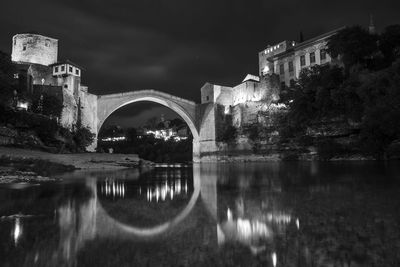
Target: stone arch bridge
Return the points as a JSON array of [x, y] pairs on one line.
[[201, 118]]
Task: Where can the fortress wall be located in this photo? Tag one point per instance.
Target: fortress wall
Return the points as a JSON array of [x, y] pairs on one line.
[[34, 48]]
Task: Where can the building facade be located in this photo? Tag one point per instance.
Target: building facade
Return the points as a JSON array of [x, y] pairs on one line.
[[279, 65], [288, 58], [40, 72]]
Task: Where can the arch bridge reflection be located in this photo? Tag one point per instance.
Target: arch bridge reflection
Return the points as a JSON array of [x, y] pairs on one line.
[[92, 221]]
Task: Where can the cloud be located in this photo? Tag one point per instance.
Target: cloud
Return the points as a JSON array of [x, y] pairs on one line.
[[177, 45]]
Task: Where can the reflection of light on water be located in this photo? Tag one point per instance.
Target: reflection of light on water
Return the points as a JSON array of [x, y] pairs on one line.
[[229, 214], [243, 230], [298, 223], [17, 232], [279, 218], [113, 188], [162, 191], [251, 229], [273, 256]]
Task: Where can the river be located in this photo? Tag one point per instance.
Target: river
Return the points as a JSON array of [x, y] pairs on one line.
[[242, 214]]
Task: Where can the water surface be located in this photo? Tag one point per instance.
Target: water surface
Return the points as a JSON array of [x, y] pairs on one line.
[[255, 214]]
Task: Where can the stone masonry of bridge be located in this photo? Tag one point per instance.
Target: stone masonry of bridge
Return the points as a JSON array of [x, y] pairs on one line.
[[199, 117]]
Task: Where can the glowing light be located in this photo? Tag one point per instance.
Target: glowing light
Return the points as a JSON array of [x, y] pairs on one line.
[[111, 187], [298, 223], [22, 105], [273, 256], [279, 218], [17, 232], [229, 215], [265, 70], [162, 191], [114, 139], [166, 134], [227, 109]]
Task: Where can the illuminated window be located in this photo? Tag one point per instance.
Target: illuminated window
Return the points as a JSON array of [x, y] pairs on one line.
[[323, 54], [312, 57], [291, 68], [302, 60], [16, 75]]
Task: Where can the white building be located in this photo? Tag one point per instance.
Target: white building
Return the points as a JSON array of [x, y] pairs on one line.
[[288, 58]]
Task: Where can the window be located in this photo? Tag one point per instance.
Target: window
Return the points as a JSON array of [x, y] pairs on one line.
[[207, 98], [47, 43], [62, 68], [312, 57], [15, 41], [323, 54], [56, 69], [65, 85], [76, 71], [291, 69], [282, 69], [24, 47], [16, 75], [70, 69], [302, 60]]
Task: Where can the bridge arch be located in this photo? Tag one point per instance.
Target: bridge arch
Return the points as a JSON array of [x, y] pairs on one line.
[[108, 104], [116, 227]]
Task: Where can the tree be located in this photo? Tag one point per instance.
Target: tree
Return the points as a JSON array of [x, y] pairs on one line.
[[389, 43], [380, 95], [315, 96], [354, 45], [83, 137], [7, 81]]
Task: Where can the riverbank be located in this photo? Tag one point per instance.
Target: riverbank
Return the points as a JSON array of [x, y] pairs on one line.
[[78, 161], [23, 165]]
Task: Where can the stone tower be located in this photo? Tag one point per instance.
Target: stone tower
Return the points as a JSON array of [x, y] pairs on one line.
[[34, 48]]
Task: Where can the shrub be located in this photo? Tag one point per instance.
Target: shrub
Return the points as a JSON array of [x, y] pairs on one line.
[[229, 134], [83, 137]]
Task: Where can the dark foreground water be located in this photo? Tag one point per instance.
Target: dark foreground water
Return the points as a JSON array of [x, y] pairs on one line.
[[271, 214]]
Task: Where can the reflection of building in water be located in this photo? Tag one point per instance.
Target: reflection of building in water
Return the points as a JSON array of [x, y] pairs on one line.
[[165, 190], [113, 188], [17, 231], [254, 227], [160, 191]]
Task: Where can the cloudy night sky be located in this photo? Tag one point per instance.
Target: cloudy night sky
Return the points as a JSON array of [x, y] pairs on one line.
[[176, 46]]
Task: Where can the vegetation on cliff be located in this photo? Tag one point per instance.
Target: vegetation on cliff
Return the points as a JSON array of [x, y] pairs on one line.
[[364, 94]]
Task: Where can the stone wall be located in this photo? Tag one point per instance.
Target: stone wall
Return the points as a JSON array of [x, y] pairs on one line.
[[34, 48]]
